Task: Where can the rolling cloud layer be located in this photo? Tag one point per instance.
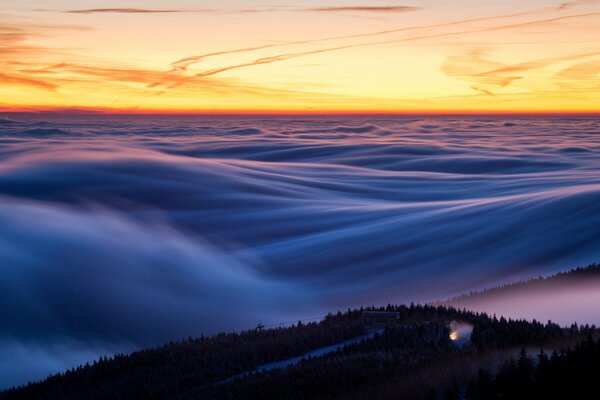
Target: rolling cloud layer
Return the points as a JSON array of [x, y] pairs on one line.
[[127, 231]]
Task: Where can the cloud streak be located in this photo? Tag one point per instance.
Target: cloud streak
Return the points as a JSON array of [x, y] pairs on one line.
[[23, 65], [576, 3], [288, 56], [182, 64], [132, 11], [25, 62], [586, 70], [486, 75], [362, 9], [8, 79], [368, 9]]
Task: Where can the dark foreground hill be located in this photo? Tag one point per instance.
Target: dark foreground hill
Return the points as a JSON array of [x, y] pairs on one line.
[[408, 359], [412, 358]]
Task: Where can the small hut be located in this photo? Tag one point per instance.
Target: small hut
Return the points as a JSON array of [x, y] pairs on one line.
[[379, 319]]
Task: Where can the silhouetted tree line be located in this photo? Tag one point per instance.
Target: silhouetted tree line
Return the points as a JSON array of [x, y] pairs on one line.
[[570, 373], [159, 372], [384, 367]]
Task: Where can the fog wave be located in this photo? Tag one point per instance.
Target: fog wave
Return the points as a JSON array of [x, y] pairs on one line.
[[124, 231]]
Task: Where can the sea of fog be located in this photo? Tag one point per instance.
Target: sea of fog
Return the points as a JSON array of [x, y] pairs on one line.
[[118, 232]]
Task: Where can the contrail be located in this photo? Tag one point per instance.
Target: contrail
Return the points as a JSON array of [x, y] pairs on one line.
[[287, 56], [182, 64]]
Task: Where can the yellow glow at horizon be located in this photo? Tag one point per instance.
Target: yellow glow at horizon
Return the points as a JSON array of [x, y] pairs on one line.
[[123, 61]]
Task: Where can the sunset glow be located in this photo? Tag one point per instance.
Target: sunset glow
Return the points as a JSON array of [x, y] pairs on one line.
[[311, 56]]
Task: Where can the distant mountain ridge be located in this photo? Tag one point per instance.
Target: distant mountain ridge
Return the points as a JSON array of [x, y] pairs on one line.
[[573, 276], [565, 298]]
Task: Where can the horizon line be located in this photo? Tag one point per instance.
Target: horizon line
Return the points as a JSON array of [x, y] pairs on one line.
[[345, 112]]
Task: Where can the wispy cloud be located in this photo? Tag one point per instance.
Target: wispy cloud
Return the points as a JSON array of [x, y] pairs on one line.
[[586, 70], [576, 3], [356, 9], [15, 38], [487, 76], [132, 11], [471, 68], [18, 55], [288, 56], [582, 77], [8, 79], [184, 63], [338, 9], [46, 71], [23, 63], [119, 80], [370, 9]]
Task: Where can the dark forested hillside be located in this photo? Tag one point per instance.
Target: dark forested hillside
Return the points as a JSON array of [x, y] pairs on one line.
[[570, 373], [411, 358]]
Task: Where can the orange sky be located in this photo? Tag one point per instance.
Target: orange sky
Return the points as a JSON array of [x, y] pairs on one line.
[[234, 55]]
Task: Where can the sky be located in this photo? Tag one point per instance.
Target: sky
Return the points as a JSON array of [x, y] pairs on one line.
[[300, 56]]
